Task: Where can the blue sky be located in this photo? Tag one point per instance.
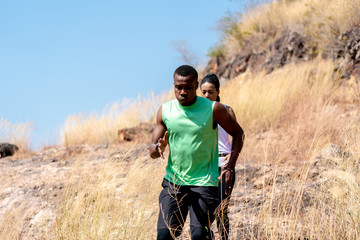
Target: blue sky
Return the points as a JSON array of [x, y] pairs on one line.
[[64, 57]]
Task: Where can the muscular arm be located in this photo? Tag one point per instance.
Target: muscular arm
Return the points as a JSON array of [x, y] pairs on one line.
[[227, 120], [159, 137], [231, 112]]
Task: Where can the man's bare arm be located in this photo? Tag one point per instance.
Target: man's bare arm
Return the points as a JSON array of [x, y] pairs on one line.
[[231, 112], [159, 137], [228, 122]]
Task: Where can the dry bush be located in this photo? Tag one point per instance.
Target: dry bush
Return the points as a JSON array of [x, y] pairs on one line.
[[264, 101], [98, 129], [18, 134], [321, 20], [334, 212]]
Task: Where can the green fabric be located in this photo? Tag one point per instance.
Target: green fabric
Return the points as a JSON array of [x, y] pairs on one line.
[[193, 143]]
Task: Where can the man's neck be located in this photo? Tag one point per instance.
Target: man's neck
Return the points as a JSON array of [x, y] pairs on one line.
[[191, 103]]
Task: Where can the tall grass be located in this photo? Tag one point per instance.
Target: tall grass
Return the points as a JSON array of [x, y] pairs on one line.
[[321, 20], [102, 128], [16, 133], [304, 209], [117, 200], [263, 101], [289, 116]]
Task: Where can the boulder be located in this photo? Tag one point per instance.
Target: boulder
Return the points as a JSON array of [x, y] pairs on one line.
[[291, 46], [139, 133], [7, 149], [347, 53]]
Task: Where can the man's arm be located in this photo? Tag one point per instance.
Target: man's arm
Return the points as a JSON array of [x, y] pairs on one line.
[[227, 121], [231, 112], [159, 137]]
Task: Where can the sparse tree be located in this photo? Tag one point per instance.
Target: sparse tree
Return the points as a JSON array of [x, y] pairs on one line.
[[186, 55]]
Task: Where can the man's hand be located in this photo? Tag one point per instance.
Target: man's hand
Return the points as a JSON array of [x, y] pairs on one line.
[[159, 137], [162, 143], [228, 177]]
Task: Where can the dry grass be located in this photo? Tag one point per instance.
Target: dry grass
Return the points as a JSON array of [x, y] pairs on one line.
[[289, 116], [334, 211], [264, 101], [18, 134], [321, 20], [102, 128], [102, 203]]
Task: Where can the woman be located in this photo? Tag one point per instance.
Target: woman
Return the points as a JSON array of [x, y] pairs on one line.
[[210, 89]]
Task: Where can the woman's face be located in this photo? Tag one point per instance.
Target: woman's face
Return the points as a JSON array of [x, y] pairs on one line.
[[209, 91]]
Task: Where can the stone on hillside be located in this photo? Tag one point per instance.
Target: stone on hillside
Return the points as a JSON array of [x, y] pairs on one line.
[[332, 151], [347, 51], [338, 192], [7, 149], [263, 181], [141, 132], [328, 158], [291, 46]]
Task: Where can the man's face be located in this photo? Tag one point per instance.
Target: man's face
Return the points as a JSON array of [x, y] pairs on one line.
[[185, 89]]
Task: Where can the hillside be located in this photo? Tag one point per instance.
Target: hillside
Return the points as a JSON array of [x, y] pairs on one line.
[[110, 191], [273, 35], [289, 69]]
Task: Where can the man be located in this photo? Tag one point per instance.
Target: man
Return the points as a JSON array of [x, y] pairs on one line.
[[189, 125]]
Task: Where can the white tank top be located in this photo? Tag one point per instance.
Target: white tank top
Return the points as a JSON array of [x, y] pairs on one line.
[[224, 144]]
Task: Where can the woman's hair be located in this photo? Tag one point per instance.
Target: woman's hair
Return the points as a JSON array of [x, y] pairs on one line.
[[213, 79]]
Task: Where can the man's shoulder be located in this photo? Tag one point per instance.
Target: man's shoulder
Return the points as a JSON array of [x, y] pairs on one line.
[[168, 103], [171, 101], [206, 101], [219, 108]]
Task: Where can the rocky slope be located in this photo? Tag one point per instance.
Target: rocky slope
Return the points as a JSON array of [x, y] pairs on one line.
[[32, 185], [293, 46]]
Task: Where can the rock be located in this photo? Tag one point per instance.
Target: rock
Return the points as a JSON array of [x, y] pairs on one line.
[[338, 192], [291, 46], [140, 132], [264, 180], [7, 149], [346, 51]]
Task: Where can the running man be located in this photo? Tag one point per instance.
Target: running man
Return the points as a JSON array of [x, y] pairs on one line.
[[189, 125]]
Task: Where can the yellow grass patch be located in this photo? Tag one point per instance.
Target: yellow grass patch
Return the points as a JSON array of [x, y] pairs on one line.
[[102, 128], [18, 134], [321, 20]]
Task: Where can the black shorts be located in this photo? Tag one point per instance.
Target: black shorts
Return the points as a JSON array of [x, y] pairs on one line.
[[175, 201]]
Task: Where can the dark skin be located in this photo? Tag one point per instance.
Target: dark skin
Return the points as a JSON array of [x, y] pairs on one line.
[[185, 93]]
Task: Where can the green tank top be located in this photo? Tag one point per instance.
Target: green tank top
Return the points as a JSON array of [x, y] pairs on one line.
[[193, 143]]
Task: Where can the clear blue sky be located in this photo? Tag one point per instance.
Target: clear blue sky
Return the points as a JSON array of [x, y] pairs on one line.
[[59, 58]]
